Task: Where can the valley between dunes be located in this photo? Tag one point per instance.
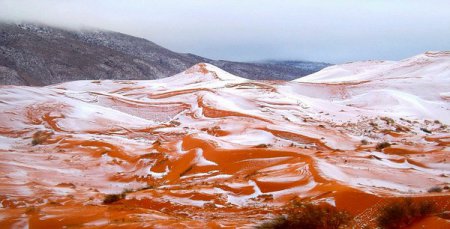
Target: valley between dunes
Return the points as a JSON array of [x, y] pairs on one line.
[[207, 149]]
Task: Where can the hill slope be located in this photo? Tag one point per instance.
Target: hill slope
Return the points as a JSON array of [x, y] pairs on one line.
[[41, 55], [416, 86]]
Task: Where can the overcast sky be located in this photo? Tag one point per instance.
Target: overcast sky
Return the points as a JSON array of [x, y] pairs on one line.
[[333, 31]]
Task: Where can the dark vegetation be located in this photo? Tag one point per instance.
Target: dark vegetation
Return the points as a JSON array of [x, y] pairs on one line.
[[400, 128], [40, 137], [382, 145], [111, 198], [403, 212], [435, 189], [389, 121], [263, 146], [309, 216]]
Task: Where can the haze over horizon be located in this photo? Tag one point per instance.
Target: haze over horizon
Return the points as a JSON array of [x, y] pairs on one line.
[[335, 31]]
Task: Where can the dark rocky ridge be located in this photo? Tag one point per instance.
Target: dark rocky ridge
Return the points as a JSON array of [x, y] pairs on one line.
[[32, 54]]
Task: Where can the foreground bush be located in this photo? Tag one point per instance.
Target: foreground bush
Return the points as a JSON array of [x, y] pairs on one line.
[[309, 216], [111, 198], [382, 145], [402, 213], [40, 137]]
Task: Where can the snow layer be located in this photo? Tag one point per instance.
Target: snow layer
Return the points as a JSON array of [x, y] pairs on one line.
[[206, 138], [414, 87]]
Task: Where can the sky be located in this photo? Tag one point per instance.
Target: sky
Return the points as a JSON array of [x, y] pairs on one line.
[[334, 31]]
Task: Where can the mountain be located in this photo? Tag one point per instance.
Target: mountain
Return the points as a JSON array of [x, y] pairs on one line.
[[209, 149], [33, 54], [306, 65]]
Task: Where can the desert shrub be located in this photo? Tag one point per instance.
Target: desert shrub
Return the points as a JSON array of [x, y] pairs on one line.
[[146, 187], [40, 137], [111, 198], [435, 189], [402, 213], [382, 145], [364, 142], [309, 216], [425, 130], [275, 223], [400, 128], [389, 121], [444, 215]]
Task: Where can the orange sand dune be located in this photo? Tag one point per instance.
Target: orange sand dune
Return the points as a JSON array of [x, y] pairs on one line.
[[212, 151]]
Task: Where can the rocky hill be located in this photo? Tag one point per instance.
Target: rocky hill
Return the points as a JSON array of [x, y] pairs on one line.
[[32, 54]]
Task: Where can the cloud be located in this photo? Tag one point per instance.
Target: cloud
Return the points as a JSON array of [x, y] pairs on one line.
[[333, 31]]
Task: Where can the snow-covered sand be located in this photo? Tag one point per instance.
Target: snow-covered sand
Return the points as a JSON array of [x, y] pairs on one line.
[[210, 146]]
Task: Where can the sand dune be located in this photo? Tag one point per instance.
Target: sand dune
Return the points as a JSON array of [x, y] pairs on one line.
[[205, 148]]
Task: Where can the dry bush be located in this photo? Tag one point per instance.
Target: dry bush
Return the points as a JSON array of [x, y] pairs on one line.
[[146, 187], [382, 145], [435, 189], [426, 130], [389, 121], [400, 128], [40, 137], [309, 216], [111, 198], [278, 222], [403, 212]]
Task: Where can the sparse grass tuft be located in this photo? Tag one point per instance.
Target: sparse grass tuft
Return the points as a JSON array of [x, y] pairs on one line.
[[435, 189], [309, 216], [382, 145], [40, 137], [111, 198], [389, 121], [279, 222], [400, 128], [402, 213], [146, 188]]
